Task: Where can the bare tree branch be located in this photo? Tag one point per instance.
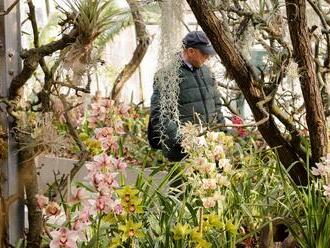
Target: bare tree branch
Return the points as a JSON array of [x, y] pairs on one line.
[[7, 11], [84, 152], [143, 42], [31, 60]]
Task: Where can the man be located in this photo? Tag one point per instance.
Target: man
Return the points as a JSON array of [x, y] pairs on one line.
[[198, 98]]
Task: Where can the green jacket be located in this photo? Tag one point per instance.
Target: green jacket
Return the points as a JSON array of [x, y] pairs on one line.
[[198, 94]]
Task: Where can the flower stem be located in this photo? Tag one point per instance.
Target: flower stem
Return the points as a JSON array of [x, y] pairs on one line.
[[200, 228], [98, 232]]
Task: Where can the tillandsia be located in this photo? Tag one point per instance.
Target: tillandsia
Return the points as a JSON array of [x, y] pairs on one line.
[[91, 19], [168, 78]]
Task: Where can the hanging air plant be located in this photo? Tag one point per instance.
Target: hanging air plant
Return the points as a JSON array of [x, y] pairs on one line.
[[90, 18], [168, 76]]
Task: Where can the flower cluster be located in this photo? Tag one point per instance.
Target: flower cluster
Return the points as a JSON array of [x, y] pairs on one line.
[[195, 234], [207, 165], [104, 112], [49, 208], [323, 170], [114, 128]]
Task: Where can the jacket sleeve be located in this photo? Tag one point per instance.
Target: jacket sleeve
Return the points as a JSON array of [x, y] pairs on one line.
[[153, 125]]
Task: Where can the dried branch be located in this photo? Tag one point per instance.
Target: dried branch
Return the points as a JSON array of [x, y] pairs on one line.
[[260, 106], [290, 126], [71, 86], [10, 107], [7, 11], [227, 104], [31, 60], [32, 17], [72, 130], [227, 86], [325, 27], [84, 152], [143, 41]]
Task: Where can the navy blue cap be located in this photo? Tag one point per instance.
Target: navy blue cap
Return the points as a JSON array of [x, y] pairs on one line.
[[198, 39]]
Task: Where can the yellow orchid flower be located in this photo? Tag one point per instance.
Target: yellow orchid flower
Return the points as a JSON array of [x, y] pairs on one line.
[[180, 231], [127, 193], [214, 221], [195, 235], [115, 242], [134, 206], [230, 227], [131, 230], [203, 244]]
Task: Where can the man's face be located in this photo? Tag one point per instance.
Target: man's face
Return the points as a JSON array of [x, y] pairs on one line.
[[196, 57]]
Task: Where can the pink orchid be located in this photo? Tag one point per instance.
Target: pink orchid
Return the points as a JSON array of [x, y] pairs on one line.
[[107, 185], [218, 152], [119, 127], [100, 162], [319, 171], [63, 238], [82, 220], [104, 133], [123, 109], [104, 204], [42, 201], [79, 195], [207, 168], [109, 144], [119, 164], [92, 121], [107, 103], [238, 121], [225, 165], [84, 215], [118, 209], [53, 208]]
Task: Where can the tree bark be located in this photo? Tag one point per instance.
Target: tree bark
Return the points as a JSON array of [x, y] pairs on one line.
[[247, 81], [302, 53], [143, 42], [28, 176], [31, 60]]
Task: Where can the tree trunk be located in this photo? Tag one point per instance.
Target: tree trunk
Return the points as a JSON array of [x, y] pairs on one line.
[[302, 53], [246, 80], [143, 42], [28, 175]]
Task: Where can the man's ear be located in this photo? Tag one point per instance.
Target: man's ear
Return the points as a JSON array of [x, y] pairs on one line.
[[190, 50]]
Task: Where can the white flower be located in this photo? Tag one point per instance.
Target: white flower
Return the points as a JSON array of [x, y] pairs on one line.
[[223, 180], [212, 136], [327, 190], [209, 184], [225, 165], [209, 202], [219, 197], [207, 168], [218, 152], [201, 141]]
